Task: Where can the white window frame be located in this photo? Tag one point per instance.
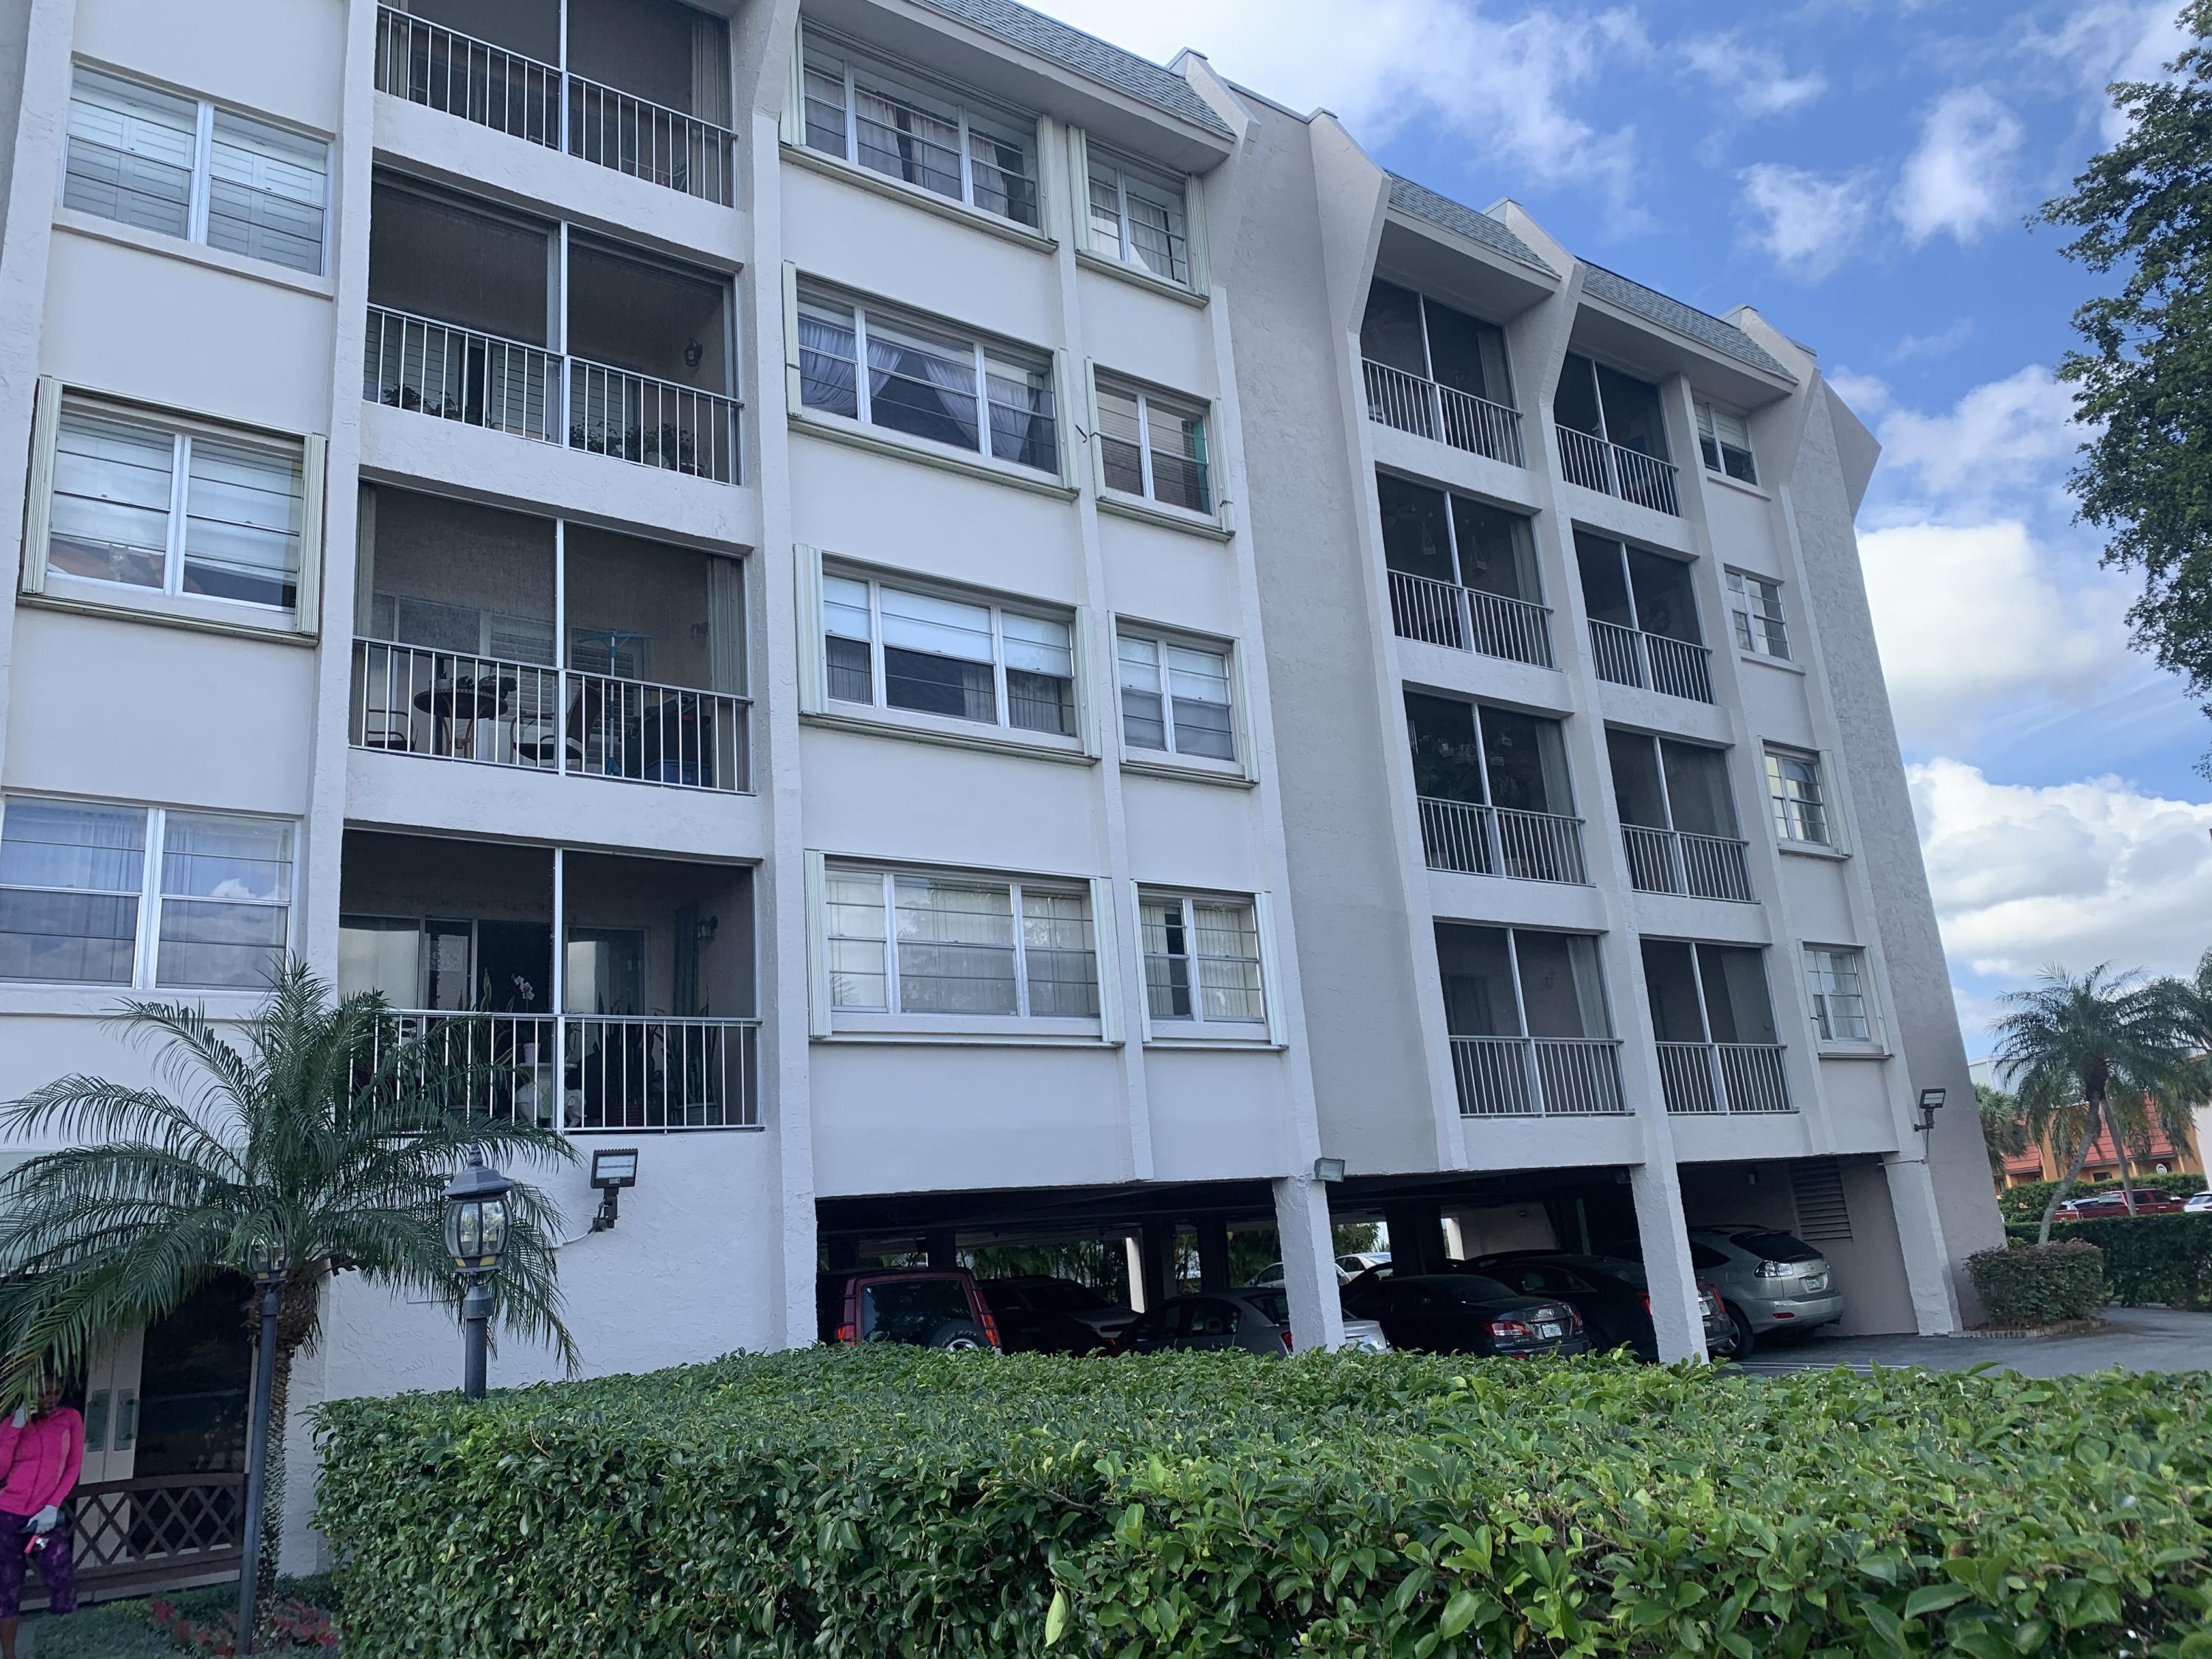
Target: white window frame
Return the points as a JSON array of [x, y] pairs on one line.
[[1104, 381], [169, 602], [903, 82], [1751, 627], [1826, 972], [1125, 254], [1264, 1032], [1137, 756], [1707, 411], [146, 946], [880, 710], [1780, 806], [196, 229], [892, 1021]]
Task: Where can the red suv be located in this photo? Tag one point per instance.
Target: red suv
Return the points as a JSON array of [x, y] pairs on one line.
[[2096, 1206], [925, 1307]]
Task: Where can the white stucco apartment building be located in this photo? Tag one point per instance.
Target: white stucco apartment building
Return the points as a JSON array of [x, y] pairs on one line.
[[959, 636]]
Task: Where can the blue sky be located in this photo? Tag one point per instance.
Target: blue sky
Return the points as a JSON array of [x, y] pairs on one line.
[[1860, 172]]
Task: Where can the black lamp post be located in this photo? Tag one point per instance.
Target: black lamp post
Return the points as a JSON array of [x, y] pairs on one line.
[[476, 1237], [265, 1260]]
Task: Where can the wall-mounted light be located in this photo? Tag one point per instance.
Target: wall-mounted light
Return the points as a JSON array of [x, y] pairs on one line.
[[1931, 1101], [612, 1169], [1328, 1171]]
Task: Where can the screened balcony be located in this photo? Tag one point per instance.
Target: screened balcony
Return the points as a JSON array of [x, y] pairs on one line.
[[644, 86], [1718, 1048], [509, 640], [1677, 817], [1612, 435], [1643, 619], [1530, 1033], [1439, 373], [470, 319], [643, 1019], [1462, 573], [1492, 790]]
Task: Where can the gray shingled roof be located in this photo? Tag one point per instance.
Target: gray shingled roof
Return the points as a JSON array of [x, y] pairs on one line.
[[1423, 203], [1683, 319], [1087, 55]]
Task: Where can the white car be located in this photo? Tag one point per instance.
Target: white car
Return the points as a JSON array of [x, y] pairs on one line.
[[1349, 1266], [2198, 1203]]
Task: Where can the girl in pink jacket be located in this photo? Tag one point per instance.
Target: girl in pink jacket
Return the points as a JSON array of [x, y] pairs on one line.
[[41, 1454]]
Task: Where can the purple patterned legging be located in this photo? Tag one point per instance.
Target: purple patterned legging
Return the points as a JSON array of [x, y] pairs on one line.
[[55, 1562]]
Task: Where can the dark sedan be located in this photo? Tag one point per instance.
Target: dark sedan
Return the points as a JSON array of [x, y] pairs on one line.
[[1612, 1295], [1031, 1323], [1464, 1313]]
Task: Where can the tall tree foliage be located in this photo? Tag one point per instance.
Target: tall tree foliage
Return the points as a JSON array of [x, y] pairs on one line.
[[2142, 385]]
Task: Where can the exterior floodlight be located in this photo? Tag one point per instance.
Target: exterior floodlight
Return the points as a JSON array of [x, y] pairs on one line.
[[1328, 1171], [1931, 1101], [612, 1169]]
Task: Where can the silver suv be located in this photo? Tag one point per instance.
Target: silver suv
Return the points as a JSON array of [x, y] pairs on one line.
[[1769, 1281]]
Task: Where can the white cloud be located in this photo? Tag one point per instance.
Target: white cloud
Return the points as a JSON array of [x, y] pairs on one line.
[[2109, 40], [2075, 873], [1506, 85], [1807, 222], [1867, 395], [1969, 617], [1942, 343], [1959, 179], [2010, 442], [1754, 78]]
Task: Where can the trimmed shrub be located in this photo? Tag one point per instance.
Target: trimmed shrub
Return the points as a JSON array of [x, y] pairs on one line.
[[899, 1502], [2026, 1202], [2147, 1258], [2033, 1284]]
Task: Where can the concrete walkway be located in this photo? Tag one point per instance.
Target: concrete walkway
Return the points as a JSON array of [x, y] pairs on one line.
[[2134, 1339]]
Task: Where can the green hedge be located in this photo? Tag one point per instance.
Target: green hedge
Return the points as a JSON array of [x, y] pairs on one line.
[[2030, 1284], [2025, 1203], [2147, 1258], [898, 1502]]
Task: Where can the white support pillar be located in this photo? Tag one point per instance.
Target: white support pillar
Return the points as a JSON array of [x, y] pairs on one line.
[[1309, 1262], [1920, 1242], [1669, 1275]]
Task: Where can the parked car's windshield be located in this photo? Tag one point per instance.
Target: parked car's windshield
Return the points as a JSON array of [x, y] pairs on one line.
[[1274, 1304], [1705, 1258], [1777, 1247], [1063, 1296], [908, 1310]]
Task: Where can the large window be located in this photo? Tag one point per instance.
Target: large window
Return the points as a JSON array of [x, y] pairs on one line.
[[1836, 980], [1202, 963], [966, 659], [1153, 444], [159, 163], [1724, 440], [956, 945], [1755, 604], [96, 894], [891, 122], [926, 380], [170, 506], [1801, 804], [1138, 216], [1175, 697]]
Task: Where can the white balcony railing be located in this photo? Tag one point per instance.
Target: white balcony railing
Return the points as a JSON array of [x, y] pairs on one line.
[[1628, 656], [1702, 1079], [1676, 861], [1470, 839], [586, 1073], [510, 385], [1411, 403], [444, 70], [1614, 469], [452, 706], [1468, 619], [1458, 835], [1547, 1077]]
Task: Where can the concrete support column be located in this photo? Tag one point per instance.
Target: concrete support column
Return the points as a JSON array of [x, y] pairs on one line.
[[1309, 1263], [1671, 1279], [1134, 1252], [944, 1247], [1920, 1242], [1158, 1261], [1417, 1237], [1213, 1253]]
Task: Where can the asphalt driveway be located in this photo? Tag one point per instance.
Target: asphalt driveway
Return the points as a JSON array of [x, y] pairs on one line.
[[2134, 1339]]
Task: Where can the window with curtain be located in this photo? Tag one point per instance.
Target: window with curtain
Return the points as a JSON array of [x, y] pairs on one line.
[[1154, 445], [172, 508], [1755, 605], [1202, 963], [951, 944], [99, 894], [195, 170], [926, 382], [1724, 440], [897, 648], [1836, 980], [1801, 804], [1138, 217], [907, 128], [1175, 696]]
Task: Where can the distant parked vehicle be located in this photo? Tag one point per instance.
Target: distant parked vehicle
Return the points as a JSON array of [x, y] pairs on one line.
[[1256, 1319], [1349, 1266], [923, 1307], [2150, 1200], [1465, 1313], [2198, 1203], [1612, 1295], [1059, 1299], [1769, 1281]]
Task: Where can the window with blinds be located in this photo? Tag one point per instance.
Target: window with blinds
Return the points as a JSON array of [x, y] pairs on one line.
[[1153, 445], [959, 946], [1175, 696], [1202, 972], [893, 647]]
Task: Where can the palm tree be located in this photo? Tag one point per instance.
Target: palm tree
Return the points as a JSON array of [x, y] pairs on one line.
[[327, 1137], [2099, 1051], [2004, 1126]]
